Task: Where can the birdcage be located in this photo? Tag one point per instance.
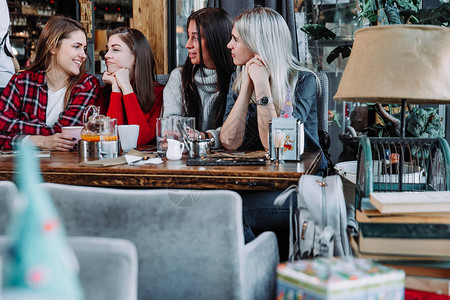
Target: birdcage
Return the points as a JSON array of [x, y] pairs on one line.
[[401, 164]]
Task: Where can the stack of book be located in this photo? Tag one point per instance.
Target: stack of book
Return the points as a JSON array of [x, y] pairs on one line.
[[409, 231]]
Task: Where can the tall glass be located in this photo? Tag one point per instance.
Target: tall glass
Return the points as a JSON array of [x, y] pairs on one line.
[[109, 144], [163, 132], [166, 128]]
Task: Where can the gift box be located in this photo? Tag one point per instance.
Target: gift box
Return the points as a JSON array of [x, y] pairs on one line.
[[339, 278]]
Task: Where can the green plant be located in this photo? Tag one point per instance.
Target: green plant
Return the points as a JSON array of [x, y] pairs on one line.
[[425, 122], [420, 122], [383, 12]]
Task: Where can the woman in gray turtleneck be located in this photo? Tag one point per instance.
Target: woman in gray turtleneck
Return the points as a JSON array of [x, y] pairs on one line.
[[199, 88]]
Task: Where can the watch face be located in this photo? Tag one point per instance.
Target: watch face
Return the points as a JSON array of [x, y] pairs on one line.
[[264, 101]]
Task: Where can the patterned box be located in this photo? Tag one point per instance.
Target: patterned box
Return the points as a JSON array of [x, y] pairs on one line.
[[294, 141], [339, 278]]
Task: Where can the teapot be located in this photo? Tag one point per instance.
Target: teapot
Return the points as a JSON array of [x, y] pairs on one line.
[[98, 127]]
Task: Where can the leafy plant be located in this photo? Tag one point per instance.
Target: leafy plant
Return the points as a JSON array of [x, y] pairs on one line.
[[344, 51], [424, 122], [383, 12], [318, 32], [420, 122], [440, 16]]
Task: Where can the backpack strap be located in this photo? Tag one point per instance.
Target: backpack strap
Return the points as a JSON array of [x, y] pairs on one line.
[[281, 198], [8, 53], [279, 201]]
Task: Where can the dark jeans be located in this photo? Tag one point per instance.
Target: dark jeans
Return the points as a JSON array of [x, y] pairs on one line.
[[259, 215]]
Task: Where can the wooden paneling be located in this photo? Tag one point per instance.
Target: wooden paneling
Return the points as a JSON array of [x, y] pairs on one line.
[[150, 17]]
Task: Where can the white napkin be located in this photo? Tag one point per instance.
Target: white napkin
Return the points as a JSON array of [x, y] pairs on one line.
[[137, 160]]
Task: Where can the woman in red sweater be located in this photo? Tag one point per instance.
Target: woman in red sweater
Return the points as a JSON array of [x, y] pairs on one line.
[[131, 95]]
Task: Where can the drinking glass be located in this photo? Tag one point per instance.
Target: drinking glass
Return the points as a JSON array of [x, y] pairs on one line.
[[166, 128], [109, 144], [163, 132]]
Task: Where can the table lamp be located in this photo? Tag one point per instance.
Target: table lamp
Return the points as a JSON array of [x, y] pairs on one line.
[[395, 64]]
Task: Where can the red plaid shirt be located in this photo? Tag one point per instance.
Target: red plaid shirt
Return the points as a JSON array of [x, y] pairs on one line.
[[23, 106]]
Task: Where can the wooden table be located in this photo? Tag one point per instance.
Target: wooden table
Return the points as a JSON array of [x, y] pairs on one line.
[[64, 168]]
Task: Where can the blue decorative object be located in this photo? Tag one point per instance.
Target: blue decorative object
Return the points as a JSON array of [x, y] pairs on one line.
[[40, 262]]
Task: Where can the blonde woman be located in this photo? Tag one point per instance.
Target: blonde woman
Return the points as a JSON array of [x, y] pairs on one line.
[[268, 83]]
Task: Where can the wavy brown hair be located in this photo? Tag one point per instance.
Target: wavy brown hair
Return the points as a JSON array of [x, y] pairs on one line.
[[144, 65], [55, 30]]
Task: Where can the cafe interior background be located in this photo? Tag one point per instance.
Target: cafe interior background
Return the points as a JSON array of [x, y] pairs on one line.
[[167, 35]]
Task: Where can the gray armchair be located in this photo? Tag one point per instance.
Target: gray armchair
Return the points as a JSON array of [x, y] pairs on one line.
[[190, 243], [108, 267], [162, 78]]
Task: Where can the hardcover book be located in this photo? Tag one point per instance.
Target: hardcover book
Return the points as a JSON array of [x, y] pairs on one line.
[[397, 258], [423, 268], [425, 231], [428, 284], [410, 202], [404, 246], [429, 218]]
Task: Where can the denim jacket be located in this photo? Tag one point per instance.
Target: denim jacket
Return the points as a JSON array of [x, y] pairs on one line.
[[305, 108]]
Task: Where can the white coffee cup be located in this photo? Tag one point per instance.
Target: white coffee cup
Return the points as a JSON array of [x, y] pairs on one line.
[[174, 149], [128, 136], [72, 131]]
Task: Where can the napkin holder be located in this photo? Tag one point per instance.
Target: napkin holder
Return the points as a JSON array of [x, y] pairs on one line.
[[294, 142], [101, 149]]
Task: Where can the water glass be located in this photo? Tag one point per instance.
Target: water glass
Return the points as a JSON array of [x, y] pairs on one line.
[[166, 128]]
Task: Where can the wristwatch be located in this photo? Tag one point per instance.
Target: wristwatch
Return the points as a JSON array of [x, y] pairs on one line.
[[264, 101]]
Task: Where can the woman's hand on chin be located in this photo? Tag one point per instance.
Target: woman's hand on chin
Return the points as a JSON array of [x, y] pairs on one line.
[[257, 71], [56, 142], [123, 80], [109, 78]]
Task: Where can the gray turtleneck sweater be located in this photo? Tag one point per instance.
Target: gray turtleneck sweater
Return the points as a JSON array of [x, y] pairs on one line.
[[173, 94]]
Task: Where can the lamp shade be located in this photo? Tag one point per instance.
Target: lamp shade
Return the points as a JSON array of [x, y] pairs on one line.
[[393, 62]]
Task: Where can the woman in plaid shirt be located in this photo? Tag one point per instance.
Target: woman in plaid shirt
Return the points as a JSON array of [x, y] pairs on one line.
[[53, 92]]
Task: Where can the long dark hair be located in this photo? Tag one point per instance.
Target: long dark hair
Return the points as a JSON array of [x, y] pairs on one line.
[[144, 65], [55, 30], [214, 25]]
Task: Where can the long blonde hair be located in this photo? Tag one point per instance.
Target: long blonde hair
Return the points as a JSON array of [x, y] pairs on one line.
[[265, 33]]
